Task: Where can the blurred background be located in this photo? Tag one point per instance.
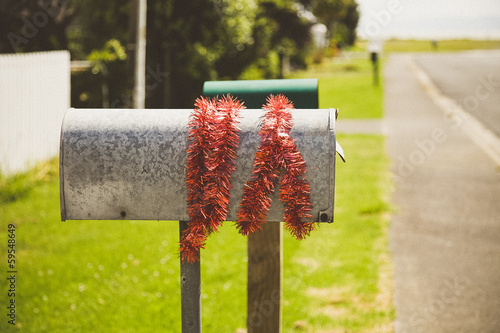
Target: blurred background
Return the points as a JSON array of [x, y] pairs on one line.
[[188, 42]]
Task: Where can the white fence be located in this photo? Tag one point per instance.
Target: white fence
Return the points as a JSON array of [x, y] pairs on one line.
[[34, 95]]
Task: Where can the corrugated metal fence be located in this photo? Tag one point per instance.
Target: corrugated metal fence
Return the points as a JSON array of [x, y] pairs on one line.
[[34, 95]]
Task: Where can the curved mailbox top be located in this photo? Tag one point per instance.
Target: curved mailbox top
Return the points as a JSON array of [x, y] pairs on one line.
[[130, 164]]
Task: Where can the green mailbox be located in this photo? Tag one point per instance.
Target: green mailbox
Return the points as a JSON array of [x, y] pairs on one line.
[[302, 92]]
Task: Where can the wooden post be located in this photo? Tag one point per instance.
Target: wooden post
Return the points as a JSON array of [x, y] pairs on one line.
[[190, 292], [265, 262]]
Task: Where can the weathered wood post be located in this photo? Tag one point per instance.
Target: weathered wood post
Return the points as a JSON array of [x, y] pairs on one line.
[[190, 292]]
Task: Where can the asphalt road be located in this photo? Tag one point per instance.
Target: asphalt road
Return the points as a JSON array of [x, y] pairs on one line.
[[471, 78], [445, 233]]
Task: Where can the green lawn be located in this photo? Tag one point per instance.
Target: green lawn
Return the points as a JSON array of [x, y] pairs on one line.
[[347, 84], [123, 276], [341, 277], [397, 45]]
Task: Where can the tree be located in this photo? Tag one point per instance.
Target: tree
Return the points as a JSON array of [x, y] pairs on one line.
[[340, 17], [188, 42], [198, 40], [187, 38], [349, 23], [279, 33], [27, 26], [95, 23]]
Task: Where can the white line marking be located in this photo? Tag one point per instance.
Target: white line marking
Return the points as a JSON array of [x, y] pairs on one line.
[[481, 135]]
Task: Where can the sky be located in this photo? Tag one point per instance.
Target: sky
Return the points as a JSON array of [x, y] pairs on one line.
[[429, 19]]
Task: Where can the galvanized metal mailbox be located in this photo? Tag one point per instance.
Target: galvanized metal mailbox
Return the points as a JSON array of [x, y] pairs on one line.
[[130, 163]]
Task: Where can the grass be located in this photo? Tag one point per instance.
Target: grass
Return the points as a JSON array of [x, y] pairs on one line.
[[347, 84], [446, 45], [123, 276], [18, 185], [339, 279], [397, 45]]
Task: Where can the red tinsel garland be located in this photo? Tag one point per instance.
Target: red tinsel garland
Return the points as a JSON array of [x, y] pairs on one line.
[[276, 155], [213, 140]]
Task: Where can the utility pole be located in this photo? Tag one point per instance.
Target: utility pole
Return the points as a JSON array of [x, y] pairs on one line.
[[140, 57]]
